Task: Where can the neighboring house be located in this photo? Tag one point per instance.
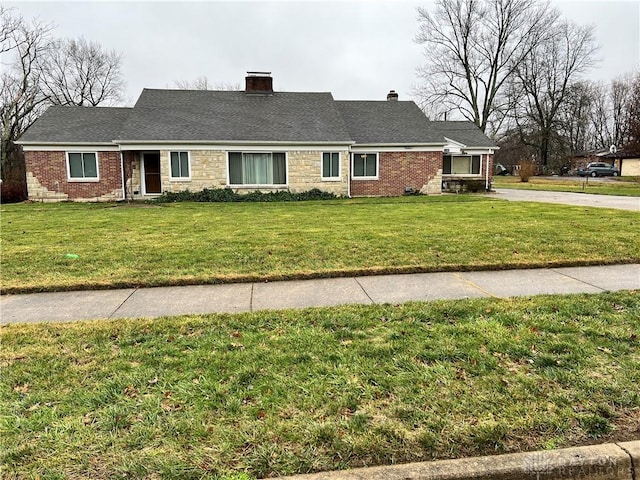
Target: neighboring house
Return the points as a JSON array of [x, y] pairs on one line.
[[257, 139], [627, 163]]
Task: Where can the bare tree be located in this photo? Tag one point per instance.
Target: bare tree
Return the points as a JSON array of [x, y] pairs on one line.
[[575, 116], [21, 100], [78, 72], [632, 145], [472, 47], [203, 83], [543, 80], [600, 117], [620, 97]]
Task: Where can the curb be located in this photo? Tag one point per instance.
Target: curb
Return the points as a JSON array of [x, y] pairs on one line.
[[609, 461]]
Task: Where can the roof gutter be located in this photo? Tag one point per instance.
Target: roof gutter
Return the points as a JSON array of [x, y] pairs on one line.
[[228, 142]]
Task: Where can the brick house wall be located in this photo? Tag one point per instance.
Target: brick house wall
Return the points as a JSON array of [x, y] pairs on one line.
[[397, 170], [47, 178]]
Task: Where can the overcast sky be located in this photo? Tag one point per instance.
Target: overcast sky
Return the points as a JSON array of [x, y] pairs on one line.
[[356, 50]]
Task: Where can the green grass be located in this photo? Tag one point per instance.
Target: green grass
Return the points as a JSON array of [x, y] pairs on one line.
[[190, 243], [625, 186], [275, 393]]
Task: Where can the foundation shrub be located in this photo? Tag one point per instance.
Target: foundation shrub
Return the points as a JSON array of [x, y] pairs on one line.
[[228, 195]]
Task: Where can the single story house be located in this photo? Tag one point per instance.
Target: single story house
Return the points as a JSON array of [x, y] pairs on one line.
[[627, 162], [256, 139]]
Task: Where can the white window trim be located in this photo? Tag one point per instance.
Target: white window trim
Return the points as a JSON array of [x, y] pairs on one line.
[[471, 175], [258, 185], [179, 179], [83, 179], [331, 179], [354, 177]]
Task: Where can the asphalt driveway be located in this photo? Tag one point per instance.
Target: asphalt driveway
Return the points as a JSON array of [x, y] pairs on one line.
[[569, 198]]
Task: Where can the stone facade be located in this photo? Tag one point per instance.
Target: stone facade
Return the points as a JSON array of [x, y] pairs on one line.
[[398, 171], [305, 172], [47, 178], [209, 170]]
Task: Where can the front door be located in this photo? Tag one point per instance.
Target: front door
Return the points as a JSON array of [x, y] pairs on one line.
[[152, 173]]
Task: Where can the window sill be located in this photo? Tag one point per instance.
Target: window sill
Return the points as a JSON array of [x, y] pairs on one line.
[[462, 175], [83, 180], [364, 178], [274, 187], [180, 179], [331, 179]]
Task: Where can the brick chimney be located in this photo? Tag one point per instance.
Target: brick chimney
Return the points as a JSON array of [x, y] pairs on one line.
[[392, 96], [259, 83]]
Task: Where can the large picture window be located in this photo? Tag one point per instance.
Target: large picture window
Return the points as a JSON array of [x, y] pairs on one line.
[[82, 166], [180, 165], [257, 168], [365, 165], [331, 165], [461, 165]]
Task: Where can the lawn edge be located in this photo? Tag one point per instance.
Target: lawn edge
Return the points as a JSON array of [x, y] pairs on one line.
[[615, 461], [355, 272], [517, 186]]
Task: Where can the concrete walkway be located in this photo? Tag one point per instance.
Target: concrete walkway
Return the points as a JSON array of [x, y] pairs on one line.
[[569, 198], [244, 297]]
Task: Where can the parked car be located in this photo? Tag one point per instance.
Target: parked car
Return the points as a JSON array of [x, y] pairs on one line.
[[598, 169], [501, 169]]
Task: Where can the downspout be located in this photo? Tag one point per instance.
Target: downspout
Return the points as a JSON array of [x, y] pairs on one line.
[[486, 188], [124, 188], [349, 173]]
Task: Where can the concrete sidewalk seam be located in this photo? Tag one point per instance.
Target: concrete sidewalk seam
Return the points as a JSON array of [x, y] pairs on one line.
[[122, 303], [251, 298], [633, 466], [555, 270], [364, 291], [474, 285]]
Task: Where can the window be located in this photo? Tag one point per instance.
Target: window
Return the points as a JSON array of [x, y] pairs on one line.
[[365, 165], [461, 165], [82, 166], [331, 165], [180, 165], [257, 168]]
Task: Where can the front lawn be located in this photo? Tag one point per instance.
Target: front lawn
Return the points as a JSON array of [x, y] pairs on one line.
[[77, 246], [275, 393], [625, 186]]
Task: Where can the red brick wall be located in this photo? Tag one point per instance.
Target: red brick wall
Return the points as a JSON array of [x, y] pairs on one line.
[[50, 168], [398, 170], [490, 159]]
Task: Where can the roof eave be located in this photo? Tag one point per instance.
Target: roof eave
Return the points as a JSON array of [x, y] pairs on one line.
[[433, 144], [54, 144], [231, 142]]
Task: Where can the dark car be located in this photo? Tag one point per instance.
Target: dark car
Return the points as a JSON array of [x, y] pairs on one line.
[[599, 169], [501, 169]]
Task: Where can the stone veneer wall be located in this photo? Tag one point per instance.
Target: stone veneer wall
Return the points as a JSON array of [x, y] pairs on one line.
[[305, 172], [47, 178], [209, 170], [398, 170]]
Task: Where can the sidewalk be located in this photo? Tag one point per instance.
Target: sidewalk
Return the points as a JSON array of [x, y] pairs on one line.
[[244, 297]]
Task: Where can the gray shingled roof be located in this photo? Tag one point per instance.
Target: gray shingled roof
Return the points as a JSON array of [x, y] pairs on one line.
[[205, 115], [70, 124], [464, 132], [390, 122]]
